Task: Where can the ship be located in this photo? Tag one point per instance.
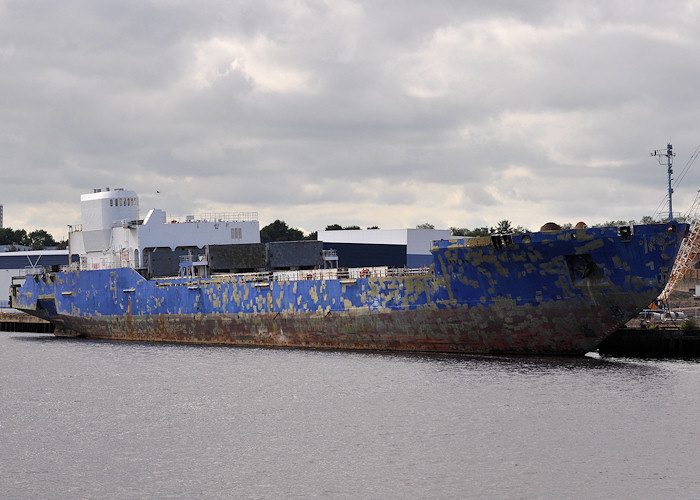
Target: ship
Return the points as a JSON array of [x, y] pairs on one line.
[[551, 292]]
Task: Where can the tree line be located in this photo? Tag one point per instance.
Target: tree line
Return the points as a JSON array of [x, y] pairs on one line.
[[281, 231], [37, 240]]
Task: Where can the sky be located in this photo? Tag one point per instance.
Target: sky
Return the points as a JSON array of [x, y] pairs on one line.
[[391, 114]]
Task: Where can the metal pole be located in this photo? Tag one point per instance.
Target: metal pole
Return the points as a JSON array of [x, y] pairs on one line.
[[70, 230], [669, 156], [669, 164]]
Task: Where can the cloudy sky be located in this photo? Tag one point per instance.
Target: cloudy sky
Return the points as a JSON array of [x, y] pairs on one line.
[[457, 113]]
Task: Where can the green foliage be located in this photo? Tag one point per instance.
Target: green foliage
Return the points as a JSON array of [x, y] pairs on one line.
[[463, 231], [9, 236], [480, 231], [37, 239], [503, 227], [40, 239], [689, 325], [338, 227], [425, 225], [647, 219], [616, 223], [280, 231]]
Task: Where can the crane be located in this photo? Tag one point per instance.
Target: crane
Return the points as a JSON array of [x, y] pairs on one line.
[[690, 247]]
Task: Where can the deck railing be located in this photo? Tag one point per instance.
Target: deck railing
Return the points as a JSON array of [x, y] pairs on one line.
[[323, 274], [216, 217], [29, 271]]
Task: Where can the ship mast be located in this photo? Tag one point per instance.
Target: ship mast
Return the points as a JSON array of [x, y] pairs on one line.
[[668, 154]]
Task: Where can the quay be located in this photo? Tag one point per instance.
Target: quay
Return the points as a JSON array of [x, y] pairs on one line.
[[652, 343], [21, 322], [677, 338]]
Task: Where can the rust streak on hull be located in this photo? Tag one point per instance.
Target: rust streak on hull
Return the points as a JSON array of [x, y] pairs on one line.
[[467, 330]]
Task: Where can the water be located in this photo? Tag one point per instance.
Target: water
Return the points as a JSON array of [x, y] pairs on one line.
[[82, 419]]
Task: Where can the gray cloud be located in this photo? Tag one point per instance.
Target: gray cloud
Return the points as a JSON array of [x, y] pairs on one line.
[[320, 112]]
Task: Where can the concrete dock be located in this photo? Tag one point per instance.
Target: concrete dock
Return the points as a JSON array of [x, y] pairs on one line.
[[20, 322]]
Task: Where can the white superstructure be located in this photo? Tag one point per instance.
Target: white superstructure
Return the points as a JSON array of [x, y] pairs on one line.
[[112, 234]]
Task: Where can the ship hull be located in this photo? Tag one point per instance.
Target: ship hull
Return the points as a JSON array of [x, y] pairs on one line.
[[530, 331], [548, 294]]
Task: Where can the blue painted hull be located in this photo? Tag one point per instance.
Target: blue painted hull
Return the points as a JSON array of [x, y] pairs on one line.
[[542, 293]]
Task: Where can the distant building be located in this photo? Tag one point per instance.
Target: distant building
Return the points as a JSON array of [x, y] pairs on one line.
[[18, 248], [382, 247]]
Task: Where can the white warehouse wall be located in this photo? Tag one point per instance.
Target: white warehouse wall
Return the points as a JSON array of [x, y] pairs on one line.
[[417, 241]]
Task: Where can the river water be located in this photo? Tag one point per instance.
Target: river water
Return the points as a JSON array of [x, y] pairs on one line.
[[84, 419]]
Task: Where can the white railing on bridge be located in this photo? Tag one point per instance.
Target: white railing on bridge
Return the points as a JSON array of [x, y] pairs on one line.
[[216, 217]]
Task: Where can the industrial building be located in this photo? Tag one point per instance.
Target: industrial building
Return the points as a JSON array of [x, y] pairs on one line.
[[382, 247]]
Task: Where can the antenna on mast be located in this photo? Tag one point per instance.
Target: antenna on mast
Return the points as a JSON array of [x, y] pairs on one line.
[[668, 154]]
